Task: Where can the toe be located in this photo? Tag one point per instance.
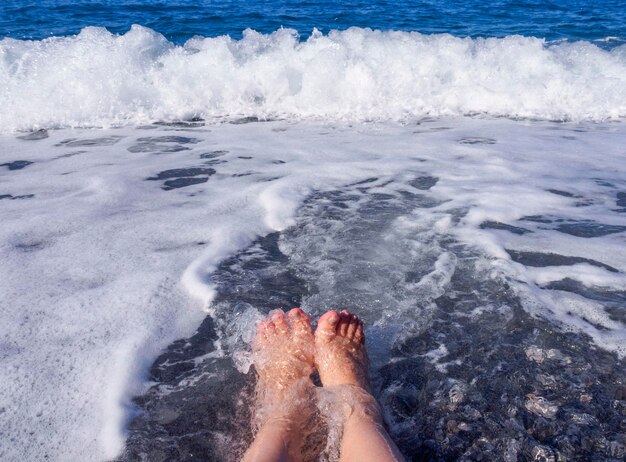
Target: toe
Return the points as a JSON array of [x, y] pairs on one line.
[[327, 325], [359, 336], [261, 335], [280, 320], [354, 323], [299, 321], [344, 322], [270, 328]]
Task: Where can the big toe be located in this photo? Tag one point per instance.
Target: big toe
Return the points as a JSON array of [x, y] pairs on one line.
[[344, 323], [261, 333], [327, 325]]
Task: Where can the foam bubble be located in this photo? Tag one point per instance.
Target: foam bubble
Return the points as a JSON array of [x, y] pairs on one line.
[[101, 269]]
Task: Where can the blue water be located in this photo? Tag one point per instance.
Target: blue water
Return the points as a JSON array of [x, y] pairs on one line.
[[180, 20], [466, 197]]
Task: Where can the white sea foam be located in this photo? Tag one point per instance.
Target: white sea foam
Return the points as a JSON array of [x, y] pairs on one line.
[[90, 281], [100, 79]]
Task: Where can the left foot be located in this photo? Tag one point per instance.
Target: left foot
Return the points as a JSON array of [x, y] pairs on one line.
[[340, 354]]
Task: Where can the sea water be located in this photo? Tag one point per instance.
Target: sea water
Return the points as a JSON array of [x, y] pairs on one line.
[[455, 175]]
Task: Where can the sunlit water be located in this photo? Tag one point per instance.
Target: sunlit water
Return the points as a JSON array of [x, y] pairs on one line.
[[491, 282], [179, 20], [463, 194]]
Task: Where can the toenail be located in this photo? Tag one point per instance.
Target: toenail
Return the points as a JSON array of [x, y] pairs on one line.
[[333, 320]]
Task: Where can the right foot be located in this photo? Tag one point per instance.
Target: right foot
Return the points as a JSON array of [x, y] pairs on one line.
[[283, 352], [283, 359], [340, 354]]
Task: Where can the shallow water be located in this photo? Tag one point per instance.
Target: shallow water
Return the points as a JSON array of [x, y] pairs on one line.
[[486, 257], [453, 173], [462, 370]]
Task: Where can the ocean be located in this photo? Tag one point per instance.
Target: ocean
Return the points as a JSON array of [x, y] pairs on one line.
[[454, 173]]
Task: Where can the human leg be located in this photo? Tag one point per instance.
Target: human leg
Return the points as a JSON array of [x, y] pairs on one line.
[[283, 359], [341, 360]]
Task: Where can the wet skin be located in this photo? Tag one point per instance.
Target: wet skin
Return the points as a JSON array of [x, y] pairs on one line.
[[285, 353], [340, 355]]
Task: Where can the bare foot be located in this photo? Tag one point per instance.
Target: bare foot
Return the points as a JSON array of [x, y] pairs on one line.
[[340, 354], [342, 363], [283, 358]]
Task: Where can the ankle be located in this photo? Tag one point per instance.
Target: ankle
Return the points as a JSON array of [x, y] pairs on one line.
[[354, 402]]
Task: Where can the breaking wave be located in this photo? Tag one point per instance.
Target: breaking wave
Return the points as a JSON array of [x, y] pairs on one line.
[[97, 78]]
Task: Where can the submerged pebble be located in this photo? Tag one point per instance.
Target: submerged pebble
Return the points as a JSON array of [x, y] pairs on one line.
[[541, 406]]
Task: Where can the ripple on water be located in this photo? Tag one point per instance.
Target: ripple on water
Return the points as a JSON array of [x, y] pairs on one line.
[[182, 177], [163, 144], [11, 197], [17, 164], [505, 227], [461, 373], [90, 142], [589, 229], [541, 259], [35, 135]]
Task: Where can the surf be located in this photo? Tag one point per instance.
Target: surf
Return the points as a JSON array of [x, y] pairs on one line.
[[100, 79]]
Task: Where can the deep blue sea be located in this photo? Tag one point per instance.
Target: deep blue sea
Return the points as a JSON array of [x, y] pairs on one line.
[[452, 172], [603, 21]]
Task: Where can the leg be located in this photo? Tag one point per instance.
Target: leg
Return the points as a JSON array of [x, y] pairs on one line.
[[342, 362], [283, 359], [269, 445]]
